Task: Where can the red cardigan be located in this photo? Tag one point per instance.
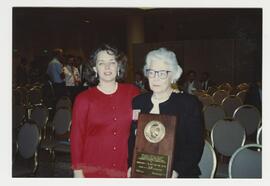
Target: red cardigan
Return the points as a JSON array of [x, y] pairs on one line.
[[100, 131]]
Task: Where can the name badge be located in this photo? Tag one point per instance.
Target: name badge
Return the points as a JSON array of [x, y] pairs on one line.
[[135, 114]]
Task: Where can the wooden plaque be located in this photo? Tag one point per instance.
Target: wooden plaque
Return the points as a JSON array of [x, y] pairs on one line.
[[154, 146]]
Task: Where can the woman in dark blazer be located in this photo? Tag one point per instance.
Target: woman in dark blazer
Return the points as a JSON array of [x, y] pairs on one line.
[[162, 70]]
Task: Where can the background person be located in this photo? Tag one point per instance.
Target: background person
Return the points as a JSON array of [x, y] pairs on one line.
[[56, 74], [72, 77], [206, 82], [191, 84]]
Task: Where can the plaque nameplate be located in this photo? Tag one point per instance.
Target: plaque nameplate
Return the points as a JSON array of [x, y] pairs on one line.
[[151, 164]]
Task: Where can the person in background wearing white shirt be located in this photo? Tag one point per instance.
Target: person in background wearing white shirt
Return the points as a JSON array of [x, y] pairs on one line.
[[191, 84], [72, 77]]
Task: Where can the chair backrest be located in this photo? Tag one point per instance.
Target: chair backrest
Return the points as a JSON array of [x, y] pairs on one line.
[[242, 95], [246, 162], [64, 102], [260, 124], [40, 115], [199, 92], [259, 136], [62, 121], [17, 96], [208, 162], [227, 135], [206, 99], [219, 95], [20, 95], [212, 113], [225, 86], [35, 96], [211, 90], [48, 94], [242, 86], [28, 140], [249, 116], [18, 114], [230, 104]]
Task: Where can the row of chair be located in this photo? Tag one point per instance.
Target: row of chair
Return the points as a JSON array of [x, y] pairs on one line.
[[228, 102], [248, 115], [31, 95], [231, 90], [226, 137], [30, 140], [245, 162], [229, 122], [227, 140], [52, 134]]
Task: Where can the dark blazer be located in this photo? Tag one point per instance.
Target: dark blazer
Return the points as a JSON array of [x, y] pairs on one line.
[[189, 142], [209, 84], [196, 85]]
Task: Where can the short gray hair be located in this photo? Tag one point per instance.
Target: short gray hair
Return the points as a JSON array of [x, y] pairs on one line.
[[168, 57]]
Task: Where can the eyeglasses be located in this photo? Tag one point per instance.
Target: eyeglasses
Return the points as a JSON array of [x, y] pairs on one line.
[[162, 74]]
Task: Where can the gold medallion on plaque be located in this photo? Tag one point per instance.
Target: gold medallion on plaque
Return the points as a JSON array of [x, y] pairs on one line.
[[154, 131]]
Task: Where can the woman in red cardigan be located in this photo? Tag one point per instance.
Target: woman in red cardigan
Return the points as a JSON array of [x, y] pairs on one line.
[[101, 119]]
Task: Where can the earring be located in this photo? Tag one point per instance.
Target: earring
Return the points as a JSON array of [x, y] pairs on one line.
[[95, 75], [118, 73]]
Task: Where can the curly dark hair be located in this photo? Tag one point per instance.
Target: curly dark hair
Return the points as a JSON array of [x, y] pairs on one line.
[[120, 58]]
